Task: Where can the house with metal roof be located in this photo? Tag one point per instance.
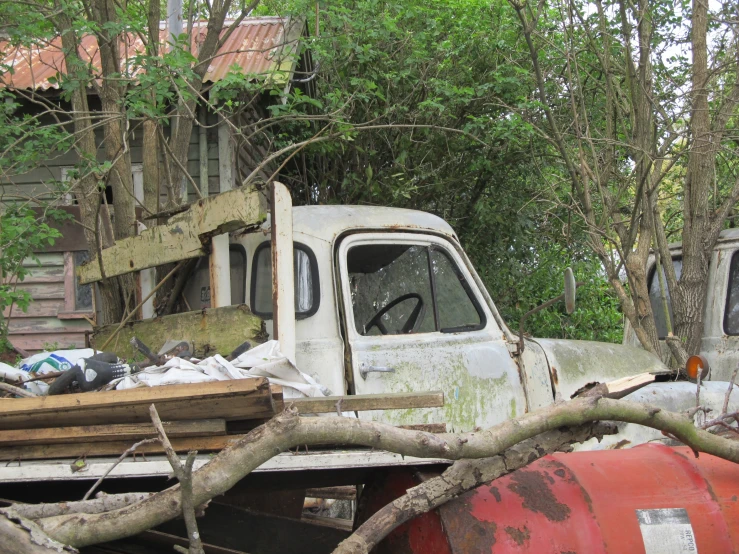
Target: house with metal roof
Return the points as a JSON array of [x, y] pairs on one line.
[[265, 49]]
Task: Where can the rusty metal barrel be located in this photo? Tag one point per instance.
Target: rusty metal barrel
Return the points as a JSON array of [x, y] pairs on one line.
[[651, 499]]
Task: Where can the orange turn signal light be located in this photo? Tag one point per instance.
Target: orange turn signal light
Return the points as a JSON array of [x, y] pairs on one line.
[[697, 364]]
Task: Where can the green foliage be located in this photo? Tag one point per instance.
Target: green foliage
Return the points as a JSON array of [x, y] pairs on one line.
[[21, 234], [418, 71]]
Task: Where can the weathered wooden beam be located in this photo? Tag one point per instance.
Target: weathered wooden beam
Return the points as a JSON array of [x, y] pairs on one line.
[[181, 238], [212, 330], [362, 402], [119, 432], [230, 400]]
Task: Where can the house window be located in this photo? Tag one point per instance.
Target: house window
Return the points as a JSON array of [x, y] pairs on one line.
[[79, 300], [400, 288]]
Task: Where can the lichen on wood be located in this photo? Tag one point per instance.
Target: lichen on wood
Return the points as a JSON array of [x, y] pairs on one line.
[[212, 330]]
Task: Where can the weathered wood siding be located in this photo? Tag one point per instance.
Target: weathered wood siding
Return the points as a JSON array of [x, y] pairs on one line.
[[42, 182], [40, 327]]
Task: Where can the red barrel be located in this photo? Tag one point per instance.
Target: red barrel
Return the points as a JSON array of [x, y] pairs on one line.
[[651, 499]]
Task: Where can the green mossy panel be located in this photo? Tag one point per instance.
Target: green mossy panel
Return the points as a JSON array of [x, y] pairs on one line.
[[213, 330]]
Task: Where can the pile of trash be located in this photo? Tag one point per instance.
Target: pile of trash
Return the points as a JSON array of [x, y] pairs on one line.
[[83, 370]]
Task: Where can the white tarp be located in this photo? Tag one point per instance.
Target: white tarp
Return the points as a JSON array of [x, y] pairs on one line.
[[264, 360]]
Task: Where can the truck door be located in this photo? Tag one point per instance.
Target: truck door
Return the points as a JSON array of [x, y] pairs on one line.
[[414, 322]]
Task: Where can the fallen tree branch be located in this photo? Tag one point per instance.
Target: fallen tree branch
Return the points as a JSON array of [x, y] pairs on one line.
[[16, 390], [288, 430], [184, 476], [463, 476], [103, 503], [23, 536]]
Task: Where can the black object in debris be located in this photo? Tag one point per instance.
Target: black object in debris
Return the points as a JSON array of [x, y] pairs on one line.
[[90, 374]]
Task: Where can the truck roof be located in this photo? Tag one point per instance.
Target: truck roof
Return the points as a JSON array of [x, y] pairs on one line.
[[328, 222], [727, 235]]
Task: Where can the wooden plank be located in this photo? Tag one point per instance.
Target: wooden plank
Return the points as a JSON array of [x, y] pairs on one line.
[[426, 427], [75, 450], [363, 402], [44, 260], [181, 238], [120, 432], [283, 284], [347, 492], [37, 308], [43, 291], [230, 400], [46, 325], [43, 274], [34, 343], [210, 330]]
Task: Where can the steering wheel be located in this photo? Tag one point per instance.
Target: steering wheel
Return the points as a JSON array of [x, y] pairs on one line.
[[414, 319]]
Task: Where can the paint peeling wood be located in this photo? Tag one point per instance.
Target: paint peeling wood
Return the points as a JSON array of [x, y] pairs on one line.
[[181, 238], [230, 400], [121, 432], [47, 325], [44, 274], [283, 278], [43, 291], [36, 343], [37, 308], [211, 330]]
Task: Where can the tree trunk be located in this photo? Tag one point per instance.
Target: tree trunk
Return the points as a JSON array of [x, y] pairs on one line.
[[688, 300], [86, 190]]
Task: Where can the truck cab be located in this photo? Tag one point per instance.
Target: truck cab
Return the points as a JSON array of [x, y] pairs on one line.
[[720, 344], [387, 301]]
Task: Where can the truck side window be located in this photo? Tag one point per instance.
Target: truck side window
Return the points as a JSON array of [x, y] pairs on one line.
[[655, 298], [731, 313], [453, 298], [400, 288], [307, 292]]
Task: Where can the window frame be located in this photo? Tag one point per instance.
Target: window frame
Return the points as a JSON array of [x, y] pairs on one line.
[[431, 243], [315, 289], [652, 273]]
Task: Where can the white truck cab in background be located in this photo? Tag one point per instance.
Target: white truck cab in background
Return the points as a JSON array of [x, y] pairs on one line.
[[720, 345]]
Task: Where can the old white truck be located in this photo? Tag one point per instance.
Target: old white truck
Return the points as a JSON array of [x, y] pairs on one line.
[[720, 345], [368, 300]]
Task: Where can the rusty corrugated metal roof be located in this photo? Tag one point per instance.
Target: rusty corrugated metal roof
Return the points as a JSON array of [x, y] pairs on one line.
[[260, 46]]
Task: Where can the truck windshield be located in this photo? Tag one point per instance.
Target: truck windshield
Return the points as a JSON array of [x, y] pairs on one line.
[[401, 288]]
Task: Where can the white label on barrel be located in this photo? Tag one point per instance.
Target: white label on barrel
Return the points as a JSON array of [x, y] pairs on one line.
[[667, 531]]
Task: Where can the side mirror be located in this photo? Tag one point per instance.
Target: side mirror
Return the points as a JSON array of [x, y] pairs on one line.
[[568, 296], [570, 290]]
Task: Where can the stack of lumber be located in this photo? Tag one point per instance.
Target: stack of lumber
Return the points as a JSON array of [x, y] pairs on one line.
[[199, 416]]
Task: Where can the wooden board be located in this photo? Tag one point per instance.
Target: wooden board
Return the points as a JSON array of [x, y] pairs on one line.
[[363, 402], [75, 450], [211, 330], [181, 238], [120, 432], [230, 400]]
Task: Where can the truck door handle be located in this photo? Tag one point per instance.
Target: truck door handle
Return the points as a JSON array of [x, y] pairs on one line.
[[365, 369]]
